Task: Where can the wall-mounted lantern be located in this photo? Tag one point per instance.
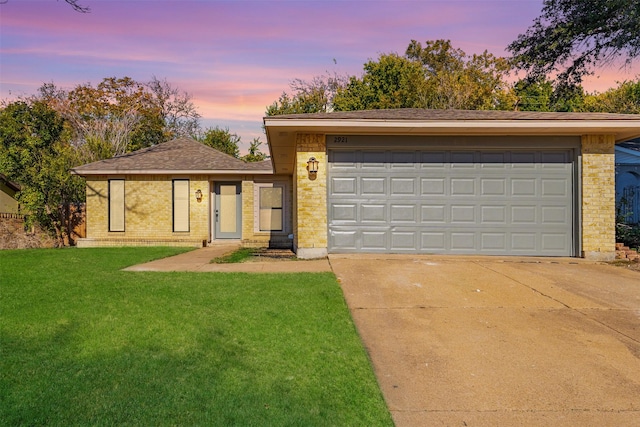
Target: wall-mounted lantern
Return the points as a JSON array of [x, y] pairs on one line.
[[312, 167], [198, 195]]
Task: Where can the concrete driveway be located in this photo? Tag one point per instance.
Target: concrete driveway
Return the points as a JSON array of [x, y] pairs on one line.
[[462, 341]]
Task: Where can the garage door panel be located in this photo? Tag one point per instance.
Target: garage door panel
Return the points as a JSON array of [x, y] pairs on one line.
[[404, 213], [524, 215], [344, 212], [344, 239], [554, 214], [403, 240], [432, 186], [463, 214], [493, 187], [523, 187], [554, 187], [553, 242], [403, 186], [463, 186], [463, 241], [493, 242], [344, 186], [373, 186], [375, 240], [493, 215], [430, 214], [373, 213], [433, 241], [458, 201]]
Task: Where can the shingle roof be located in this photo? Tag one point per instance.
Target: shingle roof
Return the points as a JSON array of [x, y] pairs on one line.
[[13, 185], [181, 155], [421, 114]]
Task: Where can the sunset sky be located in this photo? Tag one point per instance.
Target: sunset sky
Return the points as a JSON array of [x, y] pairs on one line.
[[237, 57]]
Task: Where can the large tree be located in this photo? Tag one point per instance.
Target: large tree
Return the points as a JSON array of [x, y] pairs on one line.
[[573, 36], [433, 75], [35, 153], [456, 80], [392, 81], [120, 115]]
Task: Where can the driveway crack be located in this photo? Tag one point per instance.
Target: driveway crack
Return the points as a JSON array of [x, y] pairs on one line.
[[560, 302]]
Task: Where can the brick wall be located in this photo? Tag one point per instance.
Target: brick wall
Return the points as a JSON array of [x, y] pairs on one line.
[[310, 232], [148, 213], [598, 197]]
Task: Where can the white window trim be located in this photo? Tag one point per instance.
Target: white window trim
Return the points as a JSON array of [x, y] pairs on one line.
[[256, 207]]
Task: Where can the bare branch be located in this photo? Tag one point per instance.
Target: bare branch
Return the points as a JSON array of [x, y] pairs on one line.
[[77, 7]]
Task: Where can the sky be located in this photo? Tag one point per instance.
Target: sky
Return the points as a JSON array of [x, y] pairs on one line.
[[236, 57]]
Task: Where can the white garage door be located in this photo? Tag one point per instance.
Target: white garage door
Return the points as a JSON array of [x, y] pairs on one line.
[[427, 197]]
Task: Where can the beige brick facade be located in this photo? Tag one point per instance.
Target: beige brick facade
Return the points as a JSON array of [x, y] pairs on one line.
[[310, 220], [149, 215], [148, 212], [251, 234], [598, 197]]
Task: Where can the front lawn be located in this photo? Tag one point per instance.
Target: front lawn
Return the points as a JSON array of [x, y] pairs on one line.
[[83, 343]]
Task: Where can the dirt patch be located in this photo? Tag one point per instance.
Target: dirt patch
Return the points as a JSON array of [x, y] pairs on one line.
[[268, 254], [14, 236], [629, 265]]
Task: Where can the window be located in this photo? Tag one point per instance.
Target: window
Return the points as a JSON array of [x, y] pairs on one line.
[[271, 207], [180, 205], [116, 205]]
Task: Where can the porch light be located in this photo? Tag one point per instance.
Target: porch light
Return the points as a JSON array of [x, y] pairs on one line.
[[312, 166], [198, 195]]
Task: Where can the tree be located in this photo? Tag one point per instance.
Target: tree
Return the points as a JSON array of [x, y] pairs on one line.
[[222, 140], [623, 99], [545, 95], [255, 155], [435, 75], [572, 36], [34, 152], [455, 80], [314, 96], [392, 81], [120, 115], [176, 109]]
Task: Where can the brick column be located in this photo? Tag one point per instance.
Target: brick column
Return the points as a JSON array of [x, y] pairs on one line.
[[310, 216], [598, 197]]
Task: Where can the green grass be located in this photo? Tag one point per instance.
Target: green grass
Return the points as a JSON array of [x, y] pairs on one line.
[[239, 255], [82, 343]]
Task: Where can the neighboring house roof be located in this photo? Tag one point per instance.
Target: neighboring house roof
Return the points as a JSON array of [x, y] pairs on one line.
[[628, 153], [12, 185], [281, 130], [179, 156]]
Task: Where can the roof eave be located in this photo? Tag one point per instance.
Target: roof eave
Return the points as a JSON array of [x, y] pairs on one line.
[[168, 172], [627, 129]]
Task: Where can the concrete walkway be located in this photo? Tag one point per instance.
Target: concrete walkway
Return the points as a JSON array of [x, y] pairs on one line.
[[199, 260], [468, 341]]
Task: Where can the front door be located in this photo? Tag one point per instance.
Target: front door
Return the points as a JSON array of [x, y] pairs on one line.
[[227, 213]]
